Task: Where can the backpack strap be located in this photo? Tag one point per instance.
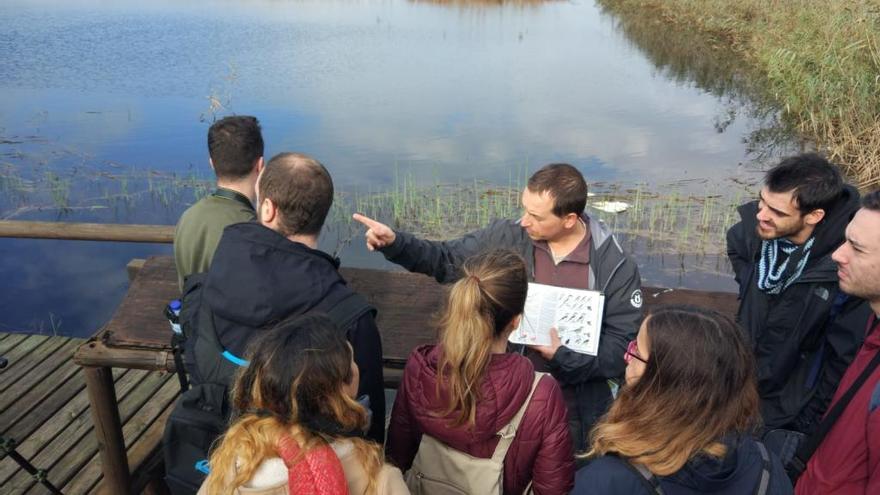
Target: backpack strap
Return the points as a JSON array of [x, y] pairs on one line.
[[645, 476], [764, 480], [347, 310], [508, 432], [799, 462]]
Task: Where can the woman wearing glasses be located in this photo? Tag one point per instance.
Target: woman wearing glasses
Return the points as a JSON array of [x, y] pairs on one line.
[[683, 423]]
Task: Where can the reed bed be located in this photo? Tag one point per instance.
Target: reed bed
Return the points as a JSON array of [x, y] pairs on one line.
[[820, 58], [661, 218]]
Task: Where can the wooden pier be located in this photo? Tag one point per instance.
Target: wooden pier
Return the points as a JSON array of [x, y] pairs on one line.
[[122, 378], [44, 409]]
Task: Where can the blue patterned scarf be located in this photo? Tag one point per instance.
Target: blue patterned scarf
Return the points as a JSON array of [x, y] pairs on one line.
[[781, 263]]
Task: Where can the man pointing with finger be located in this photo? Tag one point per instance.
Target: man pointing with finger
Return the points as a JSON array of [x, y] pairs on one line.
[[562, 246]]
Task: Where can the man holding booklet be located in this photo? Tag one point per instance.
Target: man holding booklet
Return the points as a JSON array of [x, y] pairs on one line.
[[562, 247]]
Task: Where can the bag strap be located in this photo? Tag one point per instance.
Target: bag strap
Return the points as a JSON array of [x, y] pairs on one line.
[[344, 312], [836, 308], [347, 310], [236, 196], [808, 447], [646, 477], [508, 432], [764, 480]]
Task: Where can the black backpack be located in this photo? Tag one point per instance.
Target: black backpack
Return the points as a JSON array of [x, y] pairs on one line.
[[201, 413]]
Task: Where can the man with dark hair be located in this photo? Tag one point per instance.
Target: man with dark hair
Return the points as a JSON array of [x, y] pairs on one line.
[[266, 271], [801, 327], [235, 145], [564, 247], [847, 461]]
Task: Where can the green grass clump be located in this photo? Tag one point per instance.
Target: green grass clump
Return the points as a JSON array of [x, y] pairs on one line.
[[820, 60]]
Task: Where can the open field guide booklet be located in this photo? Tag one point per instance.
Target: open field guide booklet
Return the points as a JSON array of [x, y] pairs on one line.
[[576, 314]]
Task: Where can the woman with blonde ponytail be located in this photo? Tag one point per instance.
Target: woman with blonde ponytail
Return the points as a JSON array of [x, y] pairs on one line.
[[466, 389], [298, 428]]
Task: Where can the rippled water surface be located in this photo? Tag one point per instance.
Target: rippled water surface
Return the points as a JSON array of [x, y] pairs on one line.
[[104, 108]]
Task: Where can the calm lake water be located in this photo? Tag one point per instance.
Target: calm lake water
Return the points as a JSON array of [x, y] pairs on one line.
[[104, 108]]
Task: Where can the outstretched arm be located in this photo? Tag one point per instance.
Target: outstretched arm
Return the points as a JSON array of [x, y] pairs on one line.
[[439, 259]]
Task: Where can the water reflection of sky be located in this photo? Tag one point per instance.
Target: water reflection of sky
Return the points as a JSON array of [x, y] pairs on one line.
[[446, 93]]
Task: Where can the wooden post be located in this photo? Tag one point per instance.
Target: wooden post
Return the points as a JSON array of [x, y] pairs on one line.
[[108, 428]]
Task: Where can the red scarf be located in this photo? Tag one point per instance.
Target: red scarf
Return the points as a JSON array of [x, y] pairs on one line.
[[318, 472]]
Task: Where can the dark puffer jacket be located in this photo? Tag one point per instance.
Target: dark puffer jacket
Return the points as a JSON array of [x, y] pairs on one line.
[[541, 451], [737, 473]]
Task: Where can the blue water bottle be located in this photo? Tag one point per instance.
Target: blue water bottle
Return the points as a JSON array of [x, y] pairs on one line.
[[172, 312]]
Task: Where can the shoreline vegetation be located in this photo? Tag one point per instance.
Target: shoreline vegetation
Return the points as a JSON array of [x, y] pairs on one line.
[[686, 217], [819, 59]]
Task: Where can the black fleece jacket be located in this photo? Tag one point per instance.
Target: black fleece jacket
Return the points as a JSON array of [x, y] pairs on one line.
[[259, 277]]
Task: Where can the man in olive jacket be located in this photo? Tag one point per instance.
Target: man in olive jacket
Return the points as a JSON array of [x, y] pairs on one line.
[[561, 246], [803, 330], [235, 145]]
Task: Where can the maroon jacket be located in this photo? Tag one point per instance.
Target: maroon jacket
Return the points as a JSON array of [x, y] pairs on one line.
[[541, 451], [847, 461]]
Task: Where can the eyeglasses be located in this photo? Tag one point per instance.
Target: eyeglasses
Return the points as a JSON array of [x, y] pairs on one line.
[[632, 352]]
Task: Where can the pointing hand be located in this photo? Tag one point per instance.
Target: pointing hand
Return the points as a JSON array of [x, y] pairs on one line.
[[378, 234]]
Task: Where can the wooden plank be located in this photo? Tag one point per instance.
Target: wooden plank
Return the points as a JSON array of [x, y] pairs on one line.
[[37, 403], [406, 302], [10, 342], [71, 416], [145, 457], [35, 365], [143, 434], [67, 454], [96, 353], [723, 302], [88, 231], [139, 320], [157, 401], [134, 267]]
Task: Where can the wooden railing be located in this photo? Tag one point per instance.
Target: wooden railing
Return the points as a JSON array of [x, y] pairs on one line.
[[88, 231]]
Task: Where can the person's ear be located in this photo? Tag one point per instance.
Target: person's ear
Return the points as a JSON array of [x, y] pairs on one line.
[[570, 220], [211, 161], [814, 217], [258, 167], [514, 322], [268, 211]]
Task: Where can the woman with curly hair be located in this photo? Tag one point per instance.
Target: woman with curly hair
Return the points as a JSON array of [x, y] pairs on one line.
[[297, 427]]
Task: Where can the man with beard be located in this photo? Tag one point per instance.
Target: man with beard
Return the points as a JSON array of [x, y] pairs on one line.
[[564, 247], [803, 330], [847, 461]]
